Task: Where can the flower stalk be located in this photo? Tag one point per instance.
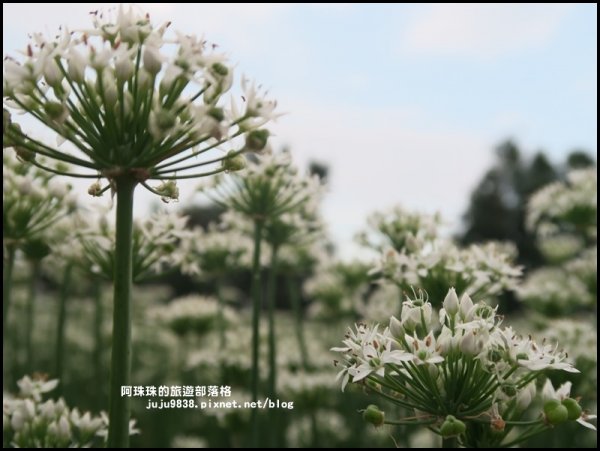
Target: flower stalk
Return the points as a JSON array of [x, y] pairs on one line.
[[62, 320], [256, 298], [120, 374]]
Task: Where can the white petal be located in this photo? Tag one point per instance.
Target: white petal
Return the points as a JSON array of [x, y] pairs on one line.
[[361, 372], [584, 423]]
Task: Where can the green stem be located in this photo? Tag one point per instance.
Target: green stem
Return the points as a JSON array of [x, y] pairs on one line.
[[120, 370], [221, 325], [29, 315], [97, 327], [256, 295], [449, 442], [295, 300], [62, 318], [314, 428], [221, 314], [9, 265], [271, 288], [410, 422]]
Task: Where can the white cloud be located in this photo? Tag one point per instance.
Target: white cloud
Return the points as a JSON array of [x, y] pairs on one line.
[[481, 30]]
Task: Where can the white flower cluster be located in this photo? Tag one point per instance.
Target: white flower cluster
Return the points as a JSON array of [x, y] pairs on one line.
[[464, 365], [30, 423], [331, 295], [32, 201], [234, 356], [572, 204], [480, 270], [132, 100], [191, 314], [386, 301], [585, 268], [577, 335], [155, 244], [563, 215], [400, 229], [299, 259], [560, 247], [554, 291], [267, 189], [294, 385], [214, 252]]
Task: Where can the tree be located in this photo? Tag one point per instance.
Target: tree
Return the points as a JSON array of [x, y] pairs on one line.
[[497, 206]]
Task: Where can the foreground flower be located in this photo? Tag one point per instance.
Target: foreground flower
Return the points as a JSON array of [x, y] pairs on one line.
[[132, 112], [467, 376]]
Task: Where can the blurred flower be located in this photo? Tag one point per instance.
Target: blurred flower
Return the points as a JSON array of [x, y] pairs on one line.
[[31, 423], [554, 291], [193, 313]]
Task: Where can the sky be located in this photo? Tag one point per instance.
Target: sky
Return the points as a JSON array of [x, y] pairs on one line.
[[404, 102]]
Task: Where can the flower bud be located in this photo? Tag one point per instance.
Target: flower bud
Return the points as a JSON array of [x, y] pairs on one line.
[[165, 120], [56, 188], [168, 190], [18, 420], [233, 163], [95, 189], [446, 341], [24, 154], [56, 111], [256, 140], [573, 408], [52, 74], [152, 60], [373, 415], [64, 429], [76, 66], [452, 427], [219, 69], [466, 305], [124, 67], [555, 412], [396, 328], [525, 396], [451, 302], [469, 344]]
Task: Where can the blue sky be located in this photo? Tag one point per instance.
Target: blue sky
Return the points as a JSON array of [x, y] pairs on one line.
[[405, 102]]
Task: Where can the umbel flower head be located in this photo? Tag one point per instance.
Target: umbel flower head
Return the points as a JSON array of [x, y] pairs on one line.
[[399, 228], [32, 201], [155, 247], [30, 422], [570, 206], [132, 101], [413, 255], [267, 189], [213, 252], [465, 370]]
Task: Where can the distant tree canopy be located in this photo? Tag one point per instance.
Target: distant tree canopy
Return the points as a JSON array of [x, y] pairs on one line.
[[497, 205]]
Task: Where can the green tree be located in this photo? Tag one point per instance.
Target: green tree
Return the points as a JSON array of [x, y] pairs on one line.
[[497, 205]]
